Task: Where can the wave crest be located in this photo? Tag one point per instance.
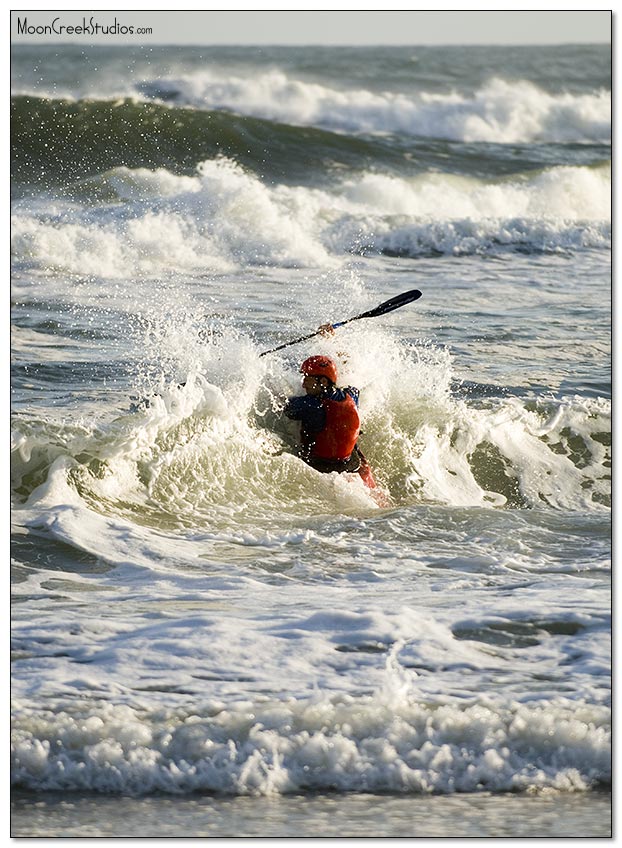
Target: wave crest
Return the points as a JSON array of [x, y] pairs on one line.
[[501, 111]]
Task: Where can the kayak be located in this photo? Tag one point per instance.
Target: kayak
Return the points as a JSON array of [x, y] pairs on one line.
[[366, 475], [365, 472]]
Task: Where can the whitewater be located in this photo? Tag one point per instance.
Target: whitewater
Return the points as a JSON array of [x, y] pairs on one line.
[[197, 614]]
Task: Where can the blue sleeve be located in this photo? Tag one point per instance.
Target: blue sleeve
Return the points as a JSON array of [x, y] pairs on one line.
[[307, 410]]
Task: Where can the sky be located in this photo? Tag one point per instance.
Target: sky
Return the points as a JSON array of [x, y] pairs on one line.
[[318, 27]]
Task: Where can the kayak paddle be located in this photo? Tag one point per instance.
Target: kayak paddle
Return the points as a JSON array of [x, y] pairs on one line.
[[381, 309]]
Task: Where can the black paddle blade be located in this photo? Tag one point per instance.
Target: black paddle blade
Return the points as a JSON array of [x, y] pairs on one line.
[[390, 305]]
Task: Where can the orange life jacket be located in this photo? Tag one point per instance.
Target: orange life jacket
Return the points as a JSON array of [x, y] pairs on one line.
[[338, 438]]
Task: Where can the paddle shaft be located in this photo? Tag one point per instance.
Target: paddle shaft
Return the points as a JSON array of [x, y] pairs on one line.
[[381, 309]]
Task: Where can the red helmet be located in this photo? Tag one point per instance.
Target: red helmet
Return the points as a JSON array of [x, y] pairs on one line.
[[320, 366]]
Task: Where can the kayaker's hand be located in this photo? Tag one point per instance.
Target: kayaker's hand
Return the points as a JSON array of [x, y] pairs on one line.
[[326, 330]]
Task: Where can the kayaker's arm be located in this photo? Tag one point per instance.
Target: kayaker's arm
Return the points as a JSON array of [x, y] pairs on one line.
[[307, 410]]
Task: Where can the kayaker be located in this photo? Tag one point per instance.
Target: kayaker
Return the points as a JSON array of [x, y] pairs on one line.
[[330, 421]]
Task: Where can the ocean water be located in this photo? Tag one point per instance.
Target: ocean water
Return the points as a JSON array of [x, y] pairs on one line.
[[210, 636]]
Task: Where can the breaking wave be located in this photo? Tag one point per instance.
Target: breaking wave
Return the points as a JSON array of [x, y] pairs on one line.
[[223, 217]]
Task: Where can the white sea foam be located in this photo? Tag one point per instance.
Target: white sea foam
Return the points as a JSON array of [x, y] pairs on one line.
[[567, 193], [379, 743]]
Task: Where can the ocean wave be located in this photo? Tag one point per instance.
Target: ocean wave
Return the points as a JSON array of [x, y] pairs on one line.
[[387, 742], [501, 111], [225, 217], [58, 141]]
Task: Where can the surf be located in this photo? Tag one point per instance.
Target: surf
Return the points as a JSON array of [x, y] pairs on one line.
[[389, 741], [224, 218], [217, 452]]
